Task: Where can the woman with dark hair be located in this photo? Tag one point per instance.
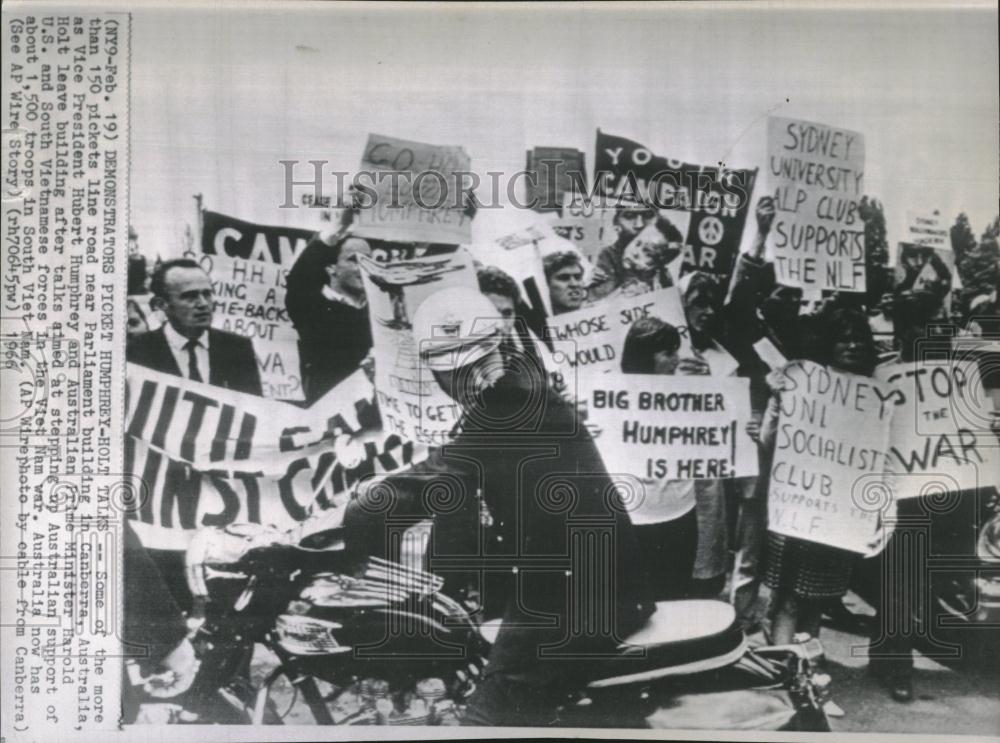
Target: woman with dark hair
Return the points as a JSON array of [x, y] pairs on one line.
[[804, 576], [651, 347], [666, 526]]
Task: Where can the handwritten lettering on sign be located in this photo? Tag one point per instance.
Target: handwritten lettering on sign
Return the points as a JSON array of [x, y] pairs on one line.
[[817, 177], [832, 433]]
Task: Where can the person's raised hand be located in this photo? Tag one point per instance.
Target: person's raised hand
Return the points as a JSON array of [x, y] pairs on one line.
[[693, 366], [765, 214]]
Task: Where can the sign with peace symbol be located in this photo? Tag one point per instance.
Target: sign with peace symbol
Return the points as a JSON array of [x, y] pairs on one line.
[[710, 231]]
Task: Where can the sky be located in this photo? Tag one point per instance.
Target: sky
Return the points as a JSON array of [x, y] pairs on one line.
[[221, 93]]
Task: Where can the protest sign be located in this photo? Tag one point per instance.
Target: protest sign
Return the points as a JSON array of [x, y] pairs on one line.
[[717, 198], [831, 438], [927, 230], [589, 341], [410, 401], [818, 236], [208, 456], [940, 438], [671, 427], [769, 353], [227, 236], [553, 172], [588, 226], [417, 192], [923, 268], [250, 301]]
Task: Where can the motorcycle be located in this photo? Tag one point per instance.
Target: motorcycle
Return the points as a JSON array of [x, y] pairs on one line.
[[379, 643]]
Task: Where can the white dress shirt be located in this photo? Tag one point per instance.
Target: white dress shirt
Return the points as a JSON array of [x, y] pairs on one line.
[[177, 343]]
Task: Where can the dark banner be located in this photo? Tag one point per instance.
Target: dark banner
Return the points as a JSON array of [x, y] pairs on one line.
[[225, 235], [717, 198]]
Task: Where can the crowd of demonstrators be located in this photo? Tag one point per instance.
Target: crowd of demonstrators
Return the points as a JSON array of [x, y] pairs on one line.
[[806, 580], [687, 538]]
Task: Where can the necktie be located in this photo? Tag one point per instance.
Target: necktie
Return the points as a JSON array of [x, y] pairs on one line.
[[193, 373]]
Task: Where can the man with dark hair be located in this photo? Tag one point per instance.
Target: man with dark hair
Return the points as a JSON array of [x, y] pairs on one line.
[[564, 275], [186, 345], [611, 270], [502, 291], [325, 298]]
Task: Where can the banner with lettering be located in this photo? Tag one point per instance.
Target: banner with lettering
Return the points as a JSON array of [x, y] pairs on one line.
[[816, 173], [671, 427], [410, 401], [413, 192], [208, 456], [717, 198], [940, 438], [827, 474], [227, 236], [250, 301]]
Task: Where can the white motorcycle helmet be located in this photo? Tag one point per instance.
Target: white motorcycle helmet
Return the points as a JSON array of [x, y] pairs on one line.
[[456, 327]]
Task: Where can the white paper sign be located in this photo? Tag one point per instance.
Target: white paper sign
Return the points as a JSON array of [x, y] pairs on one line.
[[940, 439], [832, 435], [671, 427], [816, 173]]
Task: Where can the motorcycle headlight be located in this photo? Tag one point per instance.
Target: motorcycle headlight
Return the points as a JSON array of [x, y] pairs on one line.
[[307, 635], [988, 546]]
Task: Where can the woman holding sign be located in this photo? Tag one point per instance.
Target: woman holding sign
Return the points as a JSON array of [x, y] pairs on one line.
[[666, 525], [803, 576]]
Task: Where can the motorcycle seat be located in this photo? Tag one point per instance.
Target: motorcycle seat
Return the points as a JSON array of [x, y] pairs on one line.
[[680, 637]]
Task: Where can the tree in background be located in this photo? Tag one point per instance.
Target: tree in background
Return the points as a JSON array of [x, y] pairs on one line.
[[978, 262], [879, 275]]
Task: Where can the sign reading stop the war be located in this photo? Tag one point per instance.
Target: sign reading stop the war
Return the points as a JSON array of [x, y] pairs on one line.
[[940, 439], [816, 173]]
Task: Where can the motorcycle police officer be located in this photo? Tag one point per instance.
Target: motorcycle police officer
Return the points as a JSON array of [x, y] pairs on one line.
[[536, 503]]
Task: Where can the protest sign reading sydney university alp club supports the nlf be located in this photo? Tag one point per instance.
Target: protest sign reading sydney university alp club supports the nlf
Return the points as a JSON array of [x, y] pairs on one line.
[[829, 447], [816, 173]]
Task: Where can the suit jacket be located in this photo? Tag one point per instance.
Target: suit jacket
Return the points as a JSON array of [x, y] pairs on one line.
[[231, 360]]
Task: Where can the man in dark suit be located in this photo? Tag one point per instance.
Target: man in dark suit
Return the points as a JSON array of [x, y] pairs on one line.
[[186, 345]]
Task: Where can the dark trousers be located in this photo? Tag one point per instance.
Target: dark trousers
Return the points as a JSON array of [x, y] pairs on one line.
[[667, 551], [890, 582]]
